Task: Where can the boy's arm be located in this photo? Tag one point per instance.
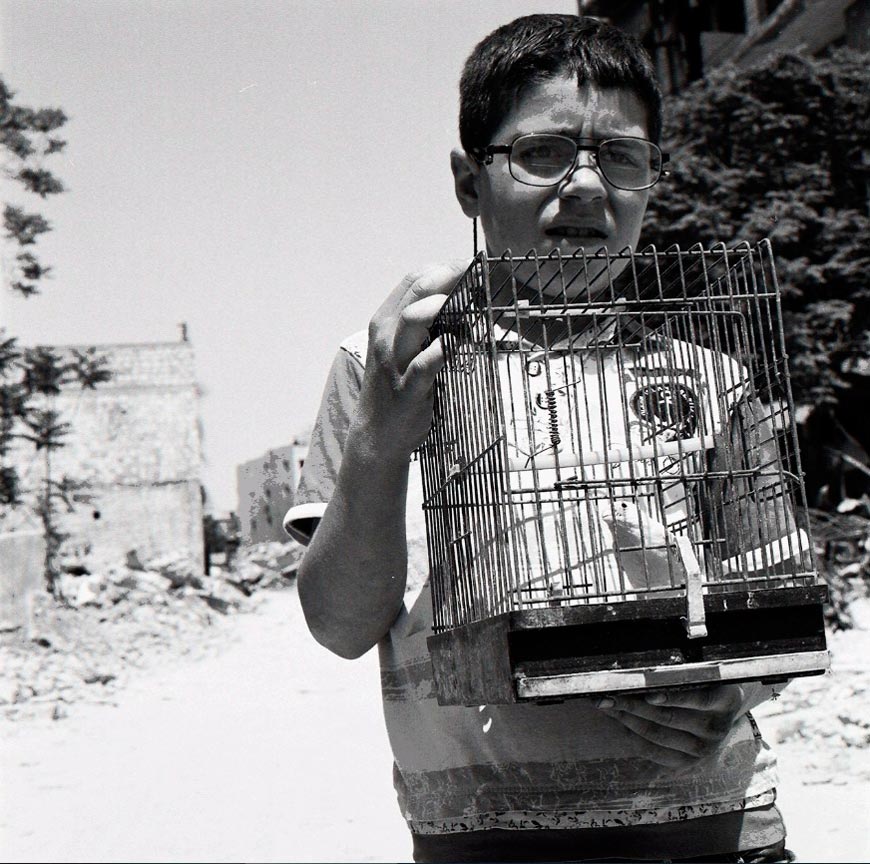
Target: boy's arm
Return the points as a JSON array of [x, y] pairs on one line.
[[352, 578]]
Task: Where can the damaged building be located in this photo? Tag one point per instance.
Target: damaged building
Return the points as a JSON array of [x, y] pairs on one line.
[[135, 444], [266, 487]]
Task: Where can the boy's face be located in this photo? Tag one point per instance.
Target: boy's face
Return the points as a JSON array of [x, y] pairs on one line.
[[582, 210]]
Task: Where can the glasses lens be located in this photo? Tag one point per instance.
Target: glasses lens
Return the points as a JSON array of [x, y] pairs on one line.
[[630, 163], [541, 160]]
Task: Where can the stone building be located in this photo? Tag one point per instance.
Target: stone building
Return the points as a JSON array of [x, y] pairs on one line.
[[135, 441], [266, 486]]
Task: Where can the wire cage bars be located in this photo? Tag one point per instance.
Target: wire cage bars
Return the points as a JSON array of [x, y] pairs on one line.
[[612, 484]]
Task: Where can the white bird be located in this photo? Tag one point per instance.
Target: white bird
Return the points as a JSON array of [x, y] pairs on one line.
[[650, 555]]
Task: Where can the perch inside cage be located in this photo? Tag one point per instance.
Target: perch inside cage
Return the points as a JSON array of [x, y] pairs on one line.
[[613, 492]]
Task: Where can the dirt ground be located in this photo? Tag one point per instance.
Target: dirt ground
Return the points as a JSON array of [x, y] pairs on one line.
[[261, 746]]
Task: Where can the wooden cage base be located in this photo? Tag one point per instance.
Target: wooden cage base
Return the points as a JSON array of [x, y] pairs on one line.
[[561, 652]]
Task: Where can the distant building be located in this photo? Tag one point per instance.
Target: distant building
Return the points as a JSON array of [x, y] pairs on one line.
[[687, 38], [135, 443], [266, 487]]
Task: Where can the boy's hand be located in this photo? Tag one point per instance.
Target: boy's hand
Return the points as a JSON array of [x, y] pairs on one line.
[[396, 399], [679, 727]]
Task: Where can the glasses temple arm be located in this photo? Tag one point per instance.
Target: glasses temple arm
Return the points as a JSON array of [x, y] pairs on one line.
[[484, 154]]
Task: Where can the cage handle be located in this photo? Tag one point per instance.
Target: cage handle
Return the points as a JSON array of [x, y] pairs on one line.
[[696, 616]]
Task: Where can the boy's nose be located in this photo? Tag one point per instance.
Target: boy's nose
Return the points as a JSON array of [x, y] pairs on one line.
[[585, 179]]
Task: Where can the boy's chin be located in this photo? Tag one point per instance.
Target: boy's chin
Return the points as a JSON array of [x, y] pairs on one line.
[[566, 280], [569, 247]]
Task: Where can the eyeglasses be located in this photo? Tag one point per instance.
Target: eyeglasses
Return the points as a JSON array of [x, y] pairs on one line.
[[543, 159]]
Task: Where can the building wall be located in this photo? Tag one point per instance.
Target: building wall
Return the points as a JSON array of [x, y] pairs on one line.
[[135, 442], [153, 520], [810, 25], [688, 40], [266, 487]]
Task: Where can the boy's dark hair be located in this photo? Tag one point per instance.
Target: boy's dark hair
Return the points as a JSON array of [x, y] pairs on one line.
[[535, 48]]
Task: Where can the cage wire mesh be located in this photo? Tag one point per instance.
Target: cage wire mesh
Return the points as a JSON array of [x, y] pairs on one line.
[[612, 427]]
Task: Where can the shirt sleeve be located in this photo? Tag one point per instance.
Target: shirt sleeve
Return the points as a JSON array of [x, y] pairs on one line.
[[320, 471]]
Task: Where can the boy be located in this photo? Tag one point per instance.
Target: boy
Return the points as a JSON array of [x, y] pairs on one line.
[[684, 775]]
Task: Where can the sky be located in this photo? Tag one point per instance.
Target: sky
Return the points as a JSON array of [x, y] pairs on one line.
[[264, 171]]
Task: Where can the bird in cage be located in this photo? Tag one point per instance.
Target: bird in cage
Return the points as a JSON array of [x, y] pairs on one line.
[[631, 441], [635, 422]]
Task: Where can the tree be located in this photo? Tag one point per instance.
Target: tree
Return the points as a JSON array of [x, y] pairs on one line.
[[31, 379], [26, 139], [779, 151]]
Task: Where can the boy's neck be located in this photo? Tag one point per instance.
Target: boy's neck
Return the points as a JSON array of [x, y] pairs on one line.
[[540, 290]]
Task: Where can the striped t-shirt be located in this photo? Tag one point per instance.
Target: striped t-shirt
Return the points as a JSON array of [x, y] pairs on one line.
[[520, 766]]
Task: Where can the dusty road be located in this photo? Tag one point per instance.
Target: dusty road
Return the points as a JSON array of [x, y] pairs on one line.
[[269, 750]]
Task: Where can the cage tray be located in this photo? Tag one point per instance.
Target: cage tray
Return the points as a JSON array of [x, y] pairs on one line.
[[568, 651]]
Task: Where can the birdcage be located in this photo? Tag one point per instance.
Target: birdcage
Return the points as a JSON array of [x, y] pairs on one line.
[[612, 484]]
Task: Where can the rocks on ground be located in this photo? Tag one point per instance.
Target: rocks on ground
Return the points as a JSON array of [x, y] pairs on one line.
[[110, 619], [824, 720]]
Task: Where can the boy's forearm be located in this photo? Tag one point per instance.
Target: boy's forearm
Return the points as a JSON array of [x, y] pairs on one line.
[[352, 579]]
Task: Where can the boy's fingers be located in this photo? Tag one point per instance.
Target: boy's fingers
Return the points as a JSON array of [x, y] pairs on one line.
[[723, 699], [399, 327], [395, 297], [421, 372], [413, 326], [667, 746], [439, 279], [709, 726], [421, 313], [707, 713], [436, 280]]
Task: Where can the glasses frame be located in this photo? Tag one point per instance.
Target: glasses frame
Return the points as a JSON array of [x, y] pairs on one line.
[[484, 156]]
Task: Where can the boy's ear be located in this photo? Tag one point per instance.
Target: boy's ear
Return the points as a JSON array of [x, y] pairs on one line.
[[466, 181]]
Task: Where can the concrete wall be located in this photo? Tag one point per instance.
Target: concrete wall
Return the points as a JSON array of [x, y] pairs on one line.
[[22, 560], [135, 441], [152, 519]]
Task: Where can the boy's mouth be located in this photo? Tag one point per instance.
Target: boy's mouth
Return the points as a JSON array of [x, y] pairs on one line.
[[577, 232]]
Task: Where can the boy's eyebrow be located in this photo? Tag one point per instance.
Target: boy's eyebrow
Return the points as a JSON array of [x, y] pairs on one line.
[[602, 132]]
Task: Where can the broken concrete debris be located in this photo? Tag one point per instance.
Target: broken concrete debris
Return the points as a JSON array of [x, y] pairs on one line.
[[112, 617]]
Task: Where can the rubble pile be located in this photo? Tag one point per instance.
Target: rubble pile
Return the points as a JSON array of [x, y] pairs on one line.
[[825, 720], [110, 619], [842, 547]]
